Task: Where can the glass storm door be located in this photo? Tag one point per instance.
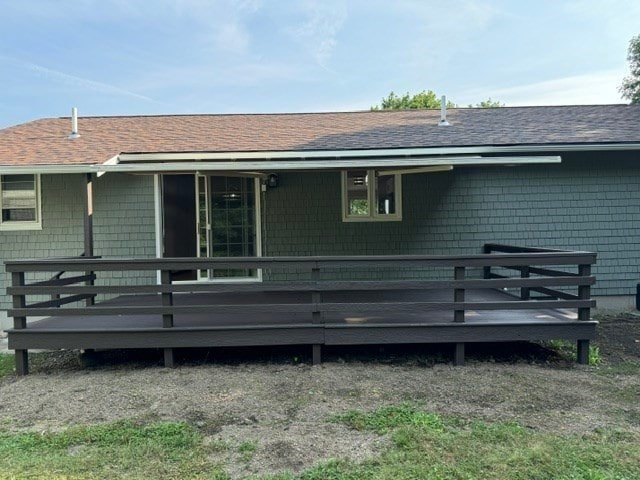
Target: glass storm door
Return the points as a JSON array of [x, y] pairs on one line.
[[211, 216], [227, 223]]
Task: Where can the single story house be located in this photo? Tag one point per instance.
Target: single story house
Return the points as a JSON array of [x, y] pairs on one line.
[[319, 224]]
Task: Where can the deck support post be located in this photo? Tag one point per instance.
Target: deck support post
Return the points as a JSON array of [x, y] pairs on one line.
[[168, 358], [525, 292], [88, 229], [22, 362], [486, 271], [458, 358], [583, 352], [316, 316], [458, 295], [167, 318], [584, 292], [316, 354], [20, 323]]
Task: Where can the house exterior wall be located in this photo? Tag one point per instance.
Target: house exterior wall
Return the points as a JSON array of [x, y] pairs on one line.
[[123, 224], [589, 202]]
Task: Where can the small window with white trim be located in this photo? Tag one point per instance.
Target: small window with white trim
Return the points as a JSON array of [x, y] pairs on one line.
[[20, 202], [371, 196]]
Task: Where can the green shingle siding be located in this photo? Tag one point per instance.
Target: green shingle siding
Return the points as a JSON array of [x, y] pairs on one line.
[[576, 205], [588, 202]]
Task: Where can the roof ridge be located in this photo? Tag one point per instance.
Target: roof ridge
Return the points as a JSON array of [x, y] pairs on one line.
[[345, 112]]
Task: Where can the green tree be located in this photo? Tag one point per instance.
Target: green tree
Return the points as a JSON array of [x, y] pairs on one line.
[[630, 88], [489, 103], [424, 99]]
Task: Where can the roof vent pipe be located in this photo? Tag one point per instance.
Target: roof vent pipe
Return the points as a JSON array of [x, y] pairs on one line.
[[74, 123], [443, 112]]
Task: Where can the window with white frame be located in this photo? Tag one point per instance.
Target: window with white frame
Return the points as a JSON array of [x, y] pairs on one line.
[[20, 202], [370, 196]]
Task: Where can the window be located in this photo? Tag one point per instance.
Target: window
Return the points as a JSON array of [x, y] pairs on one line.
[[20, 202], [370, 196]]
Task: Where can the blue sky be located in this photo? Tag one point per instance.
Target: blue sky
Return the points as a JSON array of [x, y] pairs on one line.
[[117, 57]]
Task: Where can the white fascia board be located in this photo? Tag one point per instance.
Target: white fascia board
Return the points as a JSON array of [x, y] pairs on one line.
[[257, 166], [340, 164], [45, 169], [373, 153]]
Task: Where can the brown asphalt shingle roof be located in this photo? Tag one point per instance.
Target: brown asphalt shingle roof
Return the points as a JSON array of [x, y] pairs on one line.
[[45, 141]]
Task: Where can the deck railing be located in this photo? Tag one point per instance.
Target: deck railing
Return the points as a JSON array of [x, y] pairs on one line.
[[536, 268], [523, 270]]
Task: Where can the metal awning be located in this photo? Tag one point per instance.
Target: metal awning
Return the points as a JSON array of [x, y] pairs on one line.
[[306, 160]]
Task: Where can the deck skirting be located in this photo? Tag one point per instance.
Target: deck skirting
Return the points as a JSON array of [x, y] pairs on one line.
[[327, 334]]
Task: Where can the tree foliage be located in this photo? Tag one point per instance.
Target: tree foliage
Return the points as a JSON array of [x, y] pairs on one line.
[[424, 99], [488, 103], [630, 88]]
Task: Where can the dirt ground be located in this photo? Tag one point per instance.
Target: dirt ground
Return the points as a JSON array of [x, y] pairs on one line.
[[274, 398]]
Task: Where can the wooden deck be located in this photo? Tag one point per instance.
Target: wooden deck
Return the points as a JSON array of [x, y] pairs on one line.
[[313, 312]]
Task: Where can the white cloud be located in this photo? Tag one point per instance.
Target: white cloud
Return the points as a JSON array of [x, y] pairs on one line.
[[232, 37], [80, 82], [318, 33], [599, 87]]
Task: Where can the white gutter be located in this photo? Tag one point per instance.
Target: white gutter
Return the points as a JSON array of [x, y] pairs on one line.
[[386, 152], [391, 157], [299, 165]]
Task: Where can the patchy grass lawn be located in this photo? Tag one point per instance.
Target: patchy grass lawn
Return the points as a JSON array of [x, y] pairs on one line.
[[118, 450], [6, 364], [431, 446], [423, 445]]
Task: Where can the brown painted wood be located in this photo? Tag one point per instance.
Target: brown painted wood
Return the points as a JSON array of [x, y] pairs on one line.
[[321, 286], [168, 358], [312, 312], [18, 301], [499, 247], [316, 354], [303, 335], [167, 299], [584, 292], [525, 292], [555, 293], [59, 301], [504, 260], [299, 308], [455, 333], [22, 362], [170, 338], [458, 357], [458, 295], [56, 282], [583, 352]]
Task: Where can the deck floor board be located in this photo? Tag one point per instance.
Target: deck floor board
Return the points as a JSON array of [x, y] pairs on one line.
[[124, 322]]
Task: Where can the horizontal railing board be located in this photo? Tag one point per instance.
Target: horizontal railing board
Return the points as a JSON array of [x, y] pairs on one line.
[[543, 271], [60, 282], [457, 332], [159, 310], [56, 302], [305, 286], [499, 247], [480, 260], [301, 308], [251, 335], [555, 293], [430, 306], [328, 334]]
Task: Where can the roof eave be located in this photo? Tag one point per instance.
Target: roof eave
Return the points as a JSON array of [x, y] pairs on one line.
[[316, 159]]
